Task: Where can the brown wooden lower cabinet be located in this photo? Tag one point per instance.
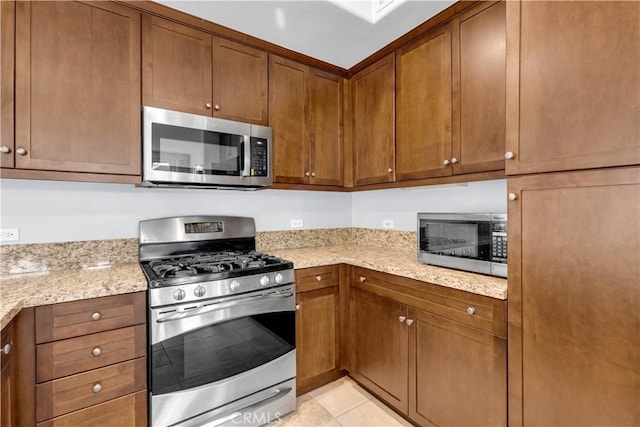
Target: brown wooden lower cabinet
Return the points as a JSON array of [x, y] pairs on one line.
[[317, 327], [7, 379], [433, 369]]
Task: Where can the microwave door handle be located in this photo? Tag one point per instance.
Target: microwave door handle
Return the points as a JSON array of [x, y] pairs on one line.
[[245, 163]]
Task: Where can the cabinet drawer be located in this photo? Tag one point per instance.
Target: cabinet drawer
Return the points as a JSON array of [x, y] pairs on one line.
[[74, 355], [129, 410], [59, 397], [309, 279], [72, 319], [478, 311]]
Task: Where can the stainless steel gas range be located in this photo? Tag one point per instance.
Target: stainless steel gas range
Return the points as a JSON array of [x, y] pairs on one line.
[[221, 324]]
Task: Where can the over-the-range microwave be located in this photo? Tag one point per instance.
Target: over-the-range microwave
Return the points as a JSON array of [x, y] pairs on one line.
[[188, 150], [465, 241]]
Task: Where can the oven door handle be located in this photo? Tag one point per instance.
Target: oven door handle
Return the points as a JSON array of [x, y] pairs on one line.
[[220, 306]]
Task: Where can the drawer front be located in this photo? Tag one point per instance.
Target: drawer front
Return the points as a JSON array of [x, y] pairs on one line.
[[130, 410], [67, 357], [478, 311], [62, 396], [76, 318], [309, 279]]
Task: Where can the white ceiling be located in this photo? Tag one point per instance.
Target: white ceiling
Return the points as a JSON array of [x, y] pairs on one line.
[[340, 32]]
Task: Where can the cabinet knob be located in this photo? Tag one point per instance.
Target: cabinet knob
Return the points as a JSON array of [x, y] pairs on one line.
[[208, 105], [97, 387], [512, 196], [297, 307], [446, 162], [454, 160], [6, 349], [216, 107], [96, 352], [362, 278], [318, 278], [307, 174], [21, 151], [409, 322], [509, 155], [471, 311], [389, 170], [96, 316], [313, 174], [402, 319], [4, 149]]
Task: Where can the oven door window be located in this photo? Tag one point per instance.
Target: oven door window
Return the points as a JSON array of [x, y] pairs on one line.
[[458, 239], [179, 149], [220, 351]]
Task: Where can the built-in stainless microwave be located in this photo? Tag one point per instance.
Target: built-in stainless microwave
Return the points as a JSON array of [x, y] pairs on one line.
[[466, 241], [187, 150]]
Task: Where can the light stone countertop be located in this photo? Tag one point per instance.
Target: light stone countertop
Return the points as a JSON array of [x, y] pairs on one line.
[[30, 290]]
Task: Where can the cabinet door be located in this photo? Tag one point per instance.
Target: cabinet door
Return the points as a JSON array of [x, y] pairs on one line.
[[78, 87], [317, 338], [7, 379], [457, 374], [479, 58], [239, 82], [325, 123], [373, 123], [574, 298], [176, 72], [379, 339], [288, 117], [423, 147], [573, 85], [7, 34]]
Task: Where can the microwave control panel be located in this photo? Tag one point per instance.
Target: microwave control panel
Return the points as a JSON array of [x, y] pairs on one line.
[[499, 241], [259, 157]]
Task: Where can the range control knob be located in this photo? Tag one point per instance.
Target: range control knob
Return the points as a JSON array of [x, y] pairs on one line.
[[234, 285], [279, 278], [264, 280], [199, 291], [179, 294]]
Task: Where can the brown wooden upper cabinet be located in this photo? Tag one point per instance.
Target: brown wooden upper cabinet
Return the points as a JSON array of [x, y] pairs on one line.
[[305, 113], [7, 37], [372, 107], [77, 93], [188, 70], [573, 85]]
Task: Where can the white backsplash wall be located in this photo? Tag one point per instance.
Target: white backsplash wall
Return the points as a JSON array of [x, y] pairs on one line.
[[370, 208], [54, 211]]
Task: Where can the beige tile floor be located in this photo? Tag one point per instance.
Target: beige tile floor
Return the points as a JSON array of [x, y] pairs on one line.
[[341, 403]]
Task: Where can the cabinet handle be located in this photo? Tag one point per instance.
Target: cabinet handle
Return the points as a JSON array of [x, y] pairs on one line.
[[97, 387], [454, 160], [409, 322], [446, 162], [471, 311], [96, 352], [402, 319], [389, 170], [4, 149], [509, 155], [216, 107], [208, 105], [313, 174], [96, 316], [307, 174], [6, 349], [318, 278], [362, 278], [21, 151], [297, 307], [513, 196]]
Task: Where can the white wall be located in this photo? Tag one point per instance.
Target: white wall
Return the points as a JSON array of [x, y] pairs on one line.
[[51, 211], [370, 208]]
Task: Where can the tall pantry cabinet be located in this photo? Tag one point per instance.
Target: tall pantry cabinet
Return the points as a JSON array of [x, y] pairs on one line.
[[573, 109]]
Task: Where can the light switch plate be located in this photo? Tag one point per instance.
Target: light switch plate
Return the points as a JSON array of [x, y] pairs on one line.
[[9, 235]]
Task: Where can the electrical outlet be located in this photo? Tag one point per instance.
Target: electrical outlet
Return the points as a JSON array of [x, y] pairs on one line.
[[296, 223], [387, 223], [9, 234]]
